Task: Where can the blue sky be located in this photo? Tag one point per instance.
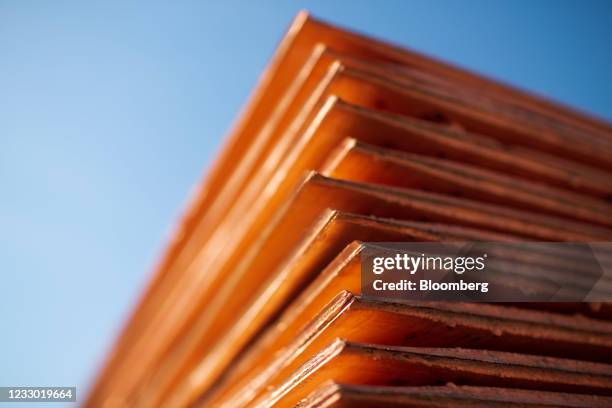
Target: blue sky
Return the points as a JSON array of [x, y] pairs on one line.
[[110, 113]]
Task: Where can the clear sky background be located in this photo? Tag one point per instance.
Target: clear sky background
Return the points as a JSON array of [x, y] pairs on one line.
[[111, 111]]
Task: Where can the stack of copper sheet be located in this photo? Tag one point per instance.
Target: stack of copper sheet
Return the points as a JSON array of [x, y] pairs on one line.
[[348, 141]]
